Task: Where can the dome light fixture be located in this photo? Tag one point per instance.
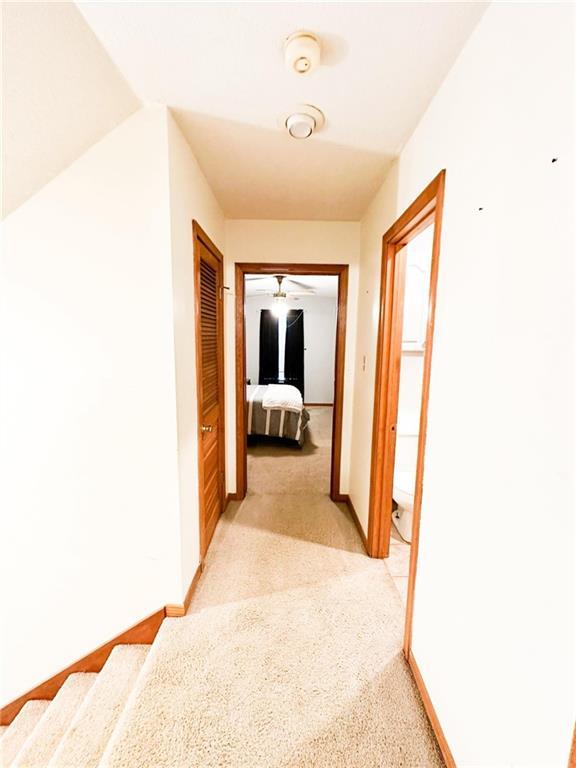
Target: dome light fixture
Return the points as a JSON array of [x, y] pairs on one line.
[[304, 121], [300, 126]]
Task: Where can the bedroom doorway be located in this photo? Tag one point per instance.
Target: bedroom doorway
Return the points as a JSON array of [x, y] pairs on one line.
[[272, 362]]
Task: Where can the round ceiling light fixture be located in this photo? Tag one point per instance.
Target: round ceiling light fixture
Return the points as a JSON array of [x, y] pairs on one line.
[[304, 121], [302, 52], [300, 126]]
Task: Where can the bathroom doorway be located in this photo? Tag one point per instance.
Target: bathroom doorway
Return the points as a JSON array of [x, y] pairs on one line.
[[417, 258], [411, 249]]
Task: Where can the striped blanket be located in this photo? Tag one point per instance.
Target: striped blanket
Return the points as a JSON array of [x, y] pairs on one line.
[[274, 422]]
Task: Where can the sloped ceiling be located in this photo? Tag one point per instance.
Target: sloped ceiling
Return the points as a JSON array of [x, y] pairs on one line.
[[219, 67], [61, 94]]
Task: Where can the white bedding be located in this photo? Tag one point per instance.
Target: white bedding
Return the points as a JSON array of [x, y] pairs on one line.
[[283, 396]]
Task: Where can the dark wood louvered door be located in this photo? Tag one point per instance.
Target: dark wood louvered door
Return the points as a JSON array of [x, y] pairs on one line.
[[210, 379]]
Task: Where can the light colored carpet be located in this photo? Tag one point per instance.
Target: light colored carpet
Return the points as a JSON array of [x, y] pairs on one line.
[[285, 469], [85, 740], [20, 729], [290, 655], [44, 739]]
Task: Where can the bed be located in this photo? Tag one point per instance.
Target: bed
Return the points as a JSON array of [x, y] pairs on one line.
[[276, 410]]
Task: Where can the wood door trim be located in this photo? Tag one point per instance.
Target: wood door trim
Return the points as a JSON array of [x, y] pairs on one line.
[[200, 236], [425, 210], [431, 712], [339, 367], [338, 270], [572, 756], [240, 372], [438, 187]]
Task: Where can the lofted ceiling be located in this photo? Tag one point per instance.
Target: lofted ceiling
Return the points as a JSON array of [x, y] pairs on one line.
[[220, 68]]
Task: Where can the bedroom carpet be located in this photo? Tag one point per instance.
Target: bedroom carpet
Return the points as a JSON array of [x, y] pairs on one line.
[[280, 468], [290, 654]]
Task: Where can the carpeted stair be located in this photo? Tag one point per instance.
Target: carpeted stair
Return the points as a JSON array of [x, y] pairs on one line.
[[73, 729], [290, 656], [54, 722], [311, 676], [85, 740], [18, 731], [308, 675]]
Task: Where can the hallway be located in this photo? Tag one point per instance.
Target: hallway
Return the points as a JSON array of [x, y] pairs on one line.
[[290, 654], [369, 203]]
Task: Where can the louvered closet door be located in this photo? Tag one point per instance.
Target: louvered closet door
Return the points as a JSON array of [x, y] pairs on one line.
[[211, 388]]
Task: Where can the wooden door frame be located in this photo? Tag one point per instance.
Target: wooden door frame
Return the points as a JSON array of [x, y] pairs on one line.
[[426, 210], [200, 236], [338, 270]]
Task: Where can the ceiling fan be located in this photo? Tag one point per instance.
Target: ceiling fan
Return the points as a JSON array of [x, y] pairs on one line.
[[283, 293], [284, 289]]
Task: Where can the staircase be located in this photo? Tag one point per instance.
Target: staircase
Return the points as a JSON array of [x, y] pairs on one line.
[[74, 728], [290, 657], [308, 676]]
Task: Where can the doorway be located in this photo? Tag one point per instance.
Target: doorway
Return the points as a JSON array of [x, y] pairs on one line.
[[208, 281], [405, 243], [340, 271]]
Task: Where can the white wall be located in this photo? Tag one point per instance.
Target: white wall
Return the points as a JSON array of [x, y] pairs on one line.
[[410, 389], [418, 254], [493, 625], [190, 198], [298, 242], [90, 529], [60, 94], [320, 316]]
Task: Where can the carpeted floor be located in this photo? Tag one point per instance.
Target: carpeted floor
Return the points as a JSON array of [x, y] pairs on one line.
[[290, 655], [282, 468]]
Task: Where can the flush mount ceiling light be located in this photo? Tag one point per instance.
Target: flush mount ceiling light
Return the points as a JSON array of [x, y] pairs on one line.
[[302, 52], [303, 121], [300, 126]]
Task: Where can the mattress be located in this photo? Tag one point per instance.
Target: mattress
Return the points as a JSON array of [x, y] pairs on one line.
[[274, 422]]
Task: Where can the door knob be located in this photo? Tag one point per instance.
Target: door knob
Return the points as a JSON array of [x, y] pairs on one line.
[[207, 428]]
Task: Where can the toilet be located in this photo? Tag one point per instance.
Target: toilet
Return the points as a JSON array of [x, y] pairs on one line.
[[403, 495], [405, 472]]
